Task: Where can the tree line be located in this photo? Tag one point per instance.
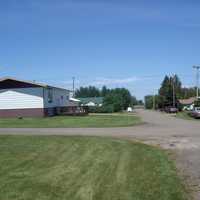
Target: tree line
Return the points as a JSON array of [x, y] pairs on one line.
[[170, 92], [114, 100]]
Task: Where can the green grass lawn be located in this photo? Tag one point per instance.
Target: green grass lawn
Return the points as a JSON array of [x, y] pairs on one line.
[[184, 115], [84, 168], [72, 121]]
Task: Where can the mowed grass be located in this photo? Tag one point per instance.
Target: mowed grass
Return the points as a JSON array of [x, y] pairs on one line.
[[84, 168], [185, 115], [119, 120]]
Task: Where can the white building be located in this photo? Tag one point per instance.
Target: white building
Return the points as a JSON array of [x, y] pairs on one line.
[[20, 98], [91, 101]]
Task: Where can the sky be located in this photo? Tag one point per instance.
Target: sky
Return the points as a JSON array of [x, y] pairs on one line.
[[118, 43]]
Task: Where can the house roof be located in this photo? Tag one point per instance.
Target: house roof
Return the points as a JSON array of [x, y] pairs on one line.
[[96, 100], [187, 101], [28, 83]]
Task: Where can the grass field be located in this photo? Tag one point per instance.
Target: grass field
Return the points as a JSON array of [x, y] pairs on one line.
[[72, 122], [77, 168], [184, 115]]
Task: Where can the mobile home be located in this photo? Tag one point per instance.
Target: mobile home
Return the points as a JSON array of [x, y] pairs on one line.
[[19, 98]]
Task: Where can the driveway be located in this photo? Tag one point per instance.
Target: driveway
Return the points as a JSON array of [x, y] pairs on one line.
[[178, 135]]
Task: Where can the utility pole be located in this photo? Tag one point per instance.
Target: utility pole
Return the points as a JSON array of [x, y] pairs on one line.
[[197, 79], [154, 102], [73, 90], [174, 95]]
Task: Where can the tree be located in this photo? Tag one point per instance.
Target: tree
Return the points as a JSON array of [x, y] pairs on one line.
[[120, 98], [115, 100], [188, 92], [149, 101], [170, 85], [177, 85], [159, 102], [90, 91], [166, 91], [104, 91], [139, 102]]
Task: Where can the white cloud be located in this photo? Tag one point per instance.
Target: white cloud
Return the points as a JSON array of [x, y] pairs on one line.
[[99, 82], [113, 81], [110, 81], [69, 82]]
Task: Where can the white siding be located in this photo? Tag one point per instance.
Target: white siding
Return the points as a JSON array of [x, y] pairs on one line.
[[21, 98], [60, 98]]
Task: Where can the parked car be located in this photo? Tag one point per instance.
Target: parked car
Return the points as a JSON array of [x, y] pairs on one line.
[[195, 113], [171, 109], [129, 109]]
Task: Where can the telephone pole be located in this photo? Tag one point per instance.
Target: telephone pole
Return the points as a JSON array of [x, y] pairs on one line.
[[197, 67], [174, 95], [154, 102], [73, 90]]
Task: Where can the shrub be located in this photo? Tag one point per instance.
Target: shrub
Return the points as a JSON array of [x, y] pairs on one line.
[[102, 109]]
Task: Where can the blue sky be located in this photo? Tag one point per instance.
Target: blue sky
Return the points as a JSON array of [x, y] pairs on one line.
[[120, 43]]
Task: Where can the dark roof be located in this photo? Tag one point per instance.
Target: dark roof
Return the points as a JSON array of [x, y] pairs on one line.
[[9, 82], [96, 100]]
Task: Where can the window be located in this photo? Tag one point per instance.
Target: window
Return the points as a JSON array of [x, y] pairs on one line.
[[50, 95]]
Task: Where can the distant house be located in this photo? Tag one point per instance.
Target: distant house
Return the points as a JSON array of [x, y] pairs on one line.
[[91, 101], [188, 103], [20, 98]]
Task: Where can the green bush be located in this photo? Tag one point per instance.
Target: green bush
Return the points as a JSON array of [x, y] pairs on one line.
[[102, 109], [108, 109]]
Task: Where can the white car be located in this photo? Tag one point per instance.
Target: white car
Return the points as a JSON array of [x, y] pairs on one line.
[[129, 109], [196, 112]]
